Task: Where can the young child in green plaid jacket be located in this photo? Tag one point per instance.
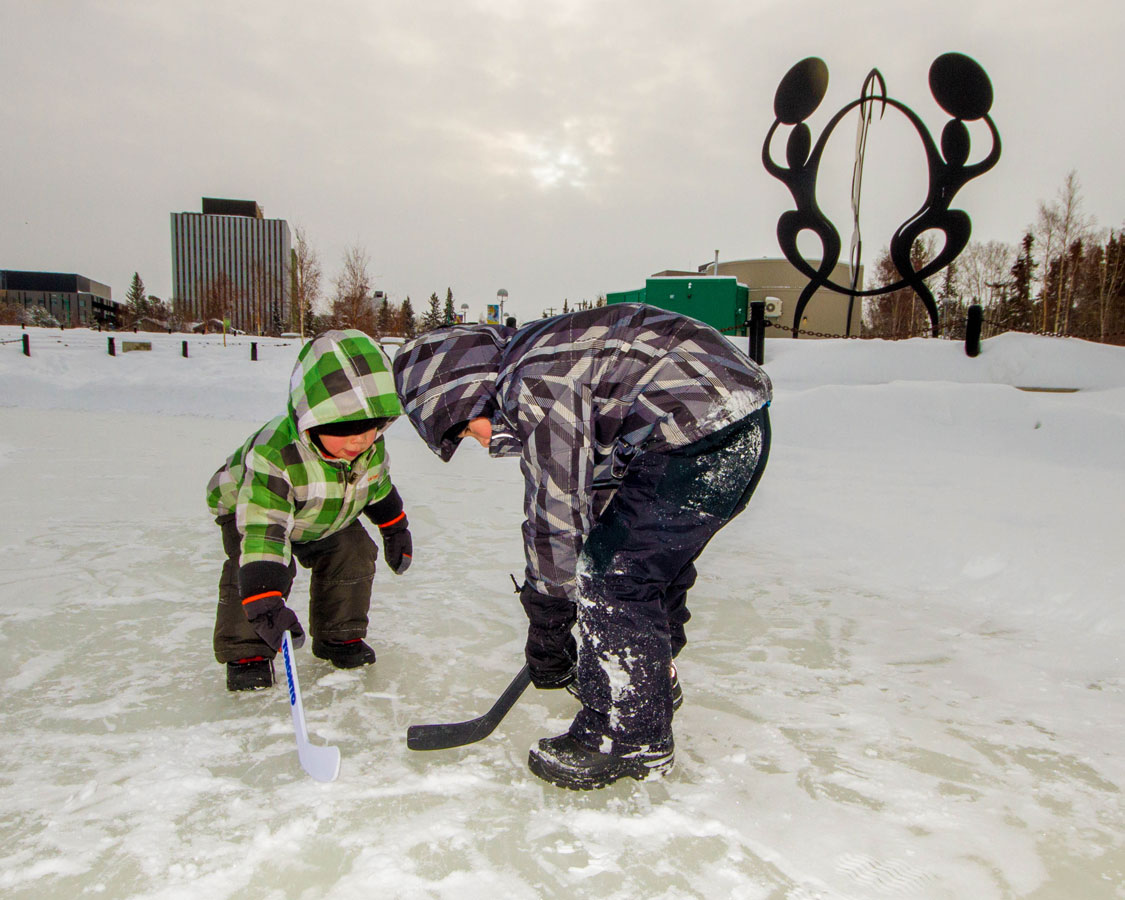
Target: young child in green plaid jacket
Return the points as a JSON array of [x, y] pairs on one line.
[[293, 492]]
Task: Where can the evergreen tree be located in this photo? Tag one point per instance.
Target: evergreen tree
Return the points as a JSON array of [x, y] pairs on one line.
[[950, 308], [449, 317], [408, 326], [136, 300], [433, 317], [385, 319], [41, 318], [1015, 310]]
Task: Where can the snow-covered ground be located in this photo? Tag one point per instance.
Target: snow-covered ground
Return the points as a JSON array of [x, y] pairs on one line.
[[903, 678]]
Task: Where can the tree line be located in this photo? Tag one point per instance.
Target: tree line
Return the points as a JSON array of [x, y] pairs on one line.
[[1065, 276], [353, 301], [349, 301]]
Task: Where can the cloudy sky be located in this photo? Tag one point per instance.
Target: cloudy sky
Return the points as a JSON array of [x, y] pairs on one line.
[[556, 149]]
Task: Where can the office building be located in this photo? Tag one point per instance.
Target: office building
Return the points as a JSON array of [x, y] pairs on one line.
[[74, 300], [230, 262]]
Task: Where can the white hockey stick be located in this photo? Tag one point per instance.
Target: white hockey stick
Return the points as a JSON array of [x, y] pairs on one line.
[[322, 763]]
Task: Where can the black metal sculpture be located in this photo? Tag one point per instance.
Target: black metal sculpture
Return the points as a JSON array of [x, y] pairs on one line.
[[961, 88]]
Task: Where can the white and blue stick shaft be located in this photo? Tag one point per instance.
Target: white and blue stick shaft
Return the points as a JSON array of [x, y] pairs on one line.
[[322, 763]]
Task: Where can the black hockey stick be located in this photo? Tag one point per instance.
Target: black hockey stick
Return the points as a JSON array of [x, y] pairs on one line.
[[457, 734]]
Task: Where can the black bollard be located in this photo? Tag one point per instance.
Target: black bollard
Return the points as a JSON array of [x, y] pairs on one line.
[[253, 351], [27, 345], [112, 347], [184, 350], [758, 331], [973, 322]]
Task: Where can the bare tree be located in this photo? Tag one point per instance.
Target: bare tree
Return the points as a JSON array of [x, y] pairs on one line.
[[983, 271], [304, 278], [267, 298], [1100, 310], [217, 299], [12, 314], [1061, 230], [1111, 301], [899, 314], [352, 306]]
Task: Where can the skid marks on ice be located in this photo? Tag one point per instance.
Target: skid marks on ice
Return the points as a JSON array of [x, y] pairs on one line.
[[885, 877], [621, 843], [888, 725], [72, 559], [116, 805]]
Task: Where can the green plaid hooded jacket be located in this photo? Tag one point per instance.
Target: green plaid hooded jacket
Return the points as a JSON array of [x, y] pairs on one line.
[[278, 484]]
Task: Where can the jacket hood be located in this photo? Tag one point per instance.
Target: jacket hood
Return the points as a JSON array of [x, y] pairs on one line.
[[448, 376], [341, 376]]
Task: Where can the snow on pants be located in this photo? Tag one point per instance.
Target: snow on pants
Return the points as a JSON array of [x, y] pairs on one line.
[[343, 568], [634, 572]]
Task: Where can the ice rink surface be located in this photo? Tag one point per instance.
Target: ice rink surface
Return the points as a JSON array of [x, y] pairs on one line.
[[903, 678]]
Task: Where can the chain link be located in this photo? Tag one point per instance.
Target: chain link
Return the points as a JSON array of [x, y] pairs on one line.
[[1086, 336], [926, 332]]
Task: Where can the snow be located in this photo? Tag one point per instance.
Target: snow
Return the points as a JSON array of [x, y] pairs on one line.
[[903, 675]]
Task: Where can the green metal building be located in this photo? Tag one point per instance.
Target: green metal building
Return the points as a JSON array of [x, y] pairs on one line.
[[719, 300]]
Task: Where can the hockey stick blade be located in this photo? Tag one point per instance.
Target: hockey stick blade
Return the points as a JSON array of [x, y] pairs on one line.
[[322, 763], [458, 734]]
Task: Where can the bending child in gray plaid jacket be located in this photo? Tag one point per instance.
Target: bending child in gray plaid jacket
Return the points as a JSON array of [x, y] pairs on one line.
[[641, 433]]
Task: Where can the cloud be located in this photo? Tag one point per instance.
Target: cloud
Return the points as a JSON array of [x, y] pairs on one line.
[[561, 149]]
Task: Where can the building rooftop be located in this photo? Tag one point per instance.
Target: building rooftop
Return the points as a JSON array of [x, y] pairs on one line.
[[218, 206]]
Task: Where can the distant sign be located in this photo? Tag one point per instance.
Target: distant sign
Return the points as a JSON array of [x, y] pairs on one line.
[[493, 313]]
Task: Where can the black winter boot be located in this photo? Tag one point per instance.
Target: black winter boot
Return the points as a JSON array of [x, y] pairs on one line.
[[565, 762], [344, 654], [250, 674]]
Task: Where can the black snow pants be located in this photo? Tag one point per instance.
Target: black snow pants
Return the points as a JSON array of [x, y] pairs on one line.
[[635, 570], [343, 568]]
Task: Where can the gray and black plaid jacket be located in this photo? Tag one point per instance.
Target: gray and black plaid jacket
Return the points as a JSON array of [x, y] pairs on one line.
[[576, 397]]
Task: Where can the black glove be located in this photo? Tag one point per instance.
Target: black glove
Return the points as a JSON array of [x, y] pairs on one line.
[[551, 651], [394, 527], [398, 548], [271, 618]]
